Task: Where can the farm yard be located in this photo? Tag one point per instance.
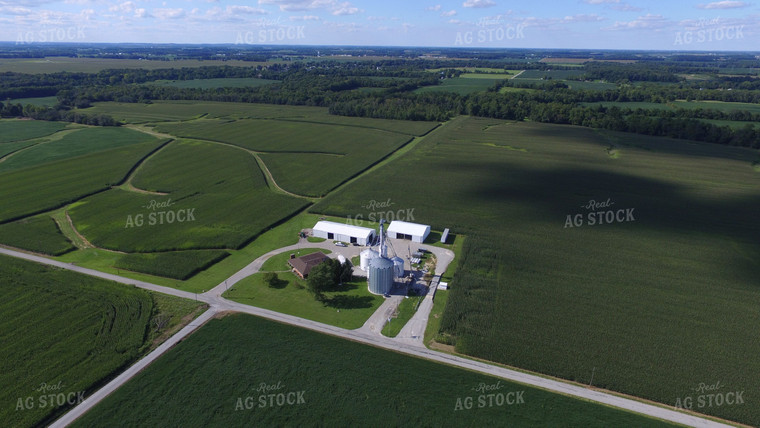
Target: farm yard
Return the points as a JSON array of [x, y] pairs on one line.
[[520, 271], [225, 362], [69, 332]]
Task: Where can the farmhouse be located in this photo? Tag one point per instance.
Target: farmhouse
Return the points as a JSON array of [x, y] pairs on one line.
[[343, 232], [412, 231], [304, 264]]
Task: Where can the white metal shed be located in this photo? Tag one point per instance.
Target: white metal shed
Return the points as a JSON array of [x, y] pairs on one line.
[[412, 231]]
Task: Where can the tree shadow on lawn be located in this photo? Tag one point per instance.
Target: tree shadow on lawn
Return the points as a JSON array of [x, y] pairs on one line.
[[349, 302], [279, 284]]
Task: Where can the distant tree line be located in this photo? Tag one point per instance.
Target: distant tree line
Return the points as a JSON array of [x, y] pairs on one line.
[[386, 89]]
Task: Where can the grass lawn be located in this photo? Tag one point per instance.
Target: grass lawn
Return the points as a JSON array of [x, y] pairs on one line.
[[350, 307], [403, 314]]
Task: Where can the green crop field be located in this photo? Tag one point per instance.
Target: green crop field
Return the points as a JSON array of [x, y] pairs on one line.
[[62, 328], [550, 74], [215, 196], [54, 184], [93, 65], [341, 384], [460, 85], [176, 264], [18, 130], [165, 111], [304, 158], [497, 76], [348, 306], [77, 143], [40, 234], [622, 300], [36, 101], [230, 82]]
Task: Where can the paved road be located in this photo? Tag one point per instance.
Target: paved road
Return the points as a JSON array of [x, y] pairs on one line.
[[217, 303]]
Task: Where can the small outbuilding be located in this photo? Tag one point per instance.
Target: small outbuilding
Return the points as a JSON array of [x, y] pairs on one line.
[[304, 264], [411, 231], [343, 232]]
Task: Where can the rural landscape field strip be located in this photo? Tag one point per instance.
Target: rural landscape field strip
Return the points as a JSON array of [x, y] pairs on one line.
[[39, 234], [70, 333], [205, 378], [40, 188], [20, 130], [672, 259], [205, 207], [449, 359]]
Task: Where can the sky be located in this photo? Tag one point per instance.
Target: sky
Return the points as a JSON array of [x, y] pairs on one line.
[[730, 25]]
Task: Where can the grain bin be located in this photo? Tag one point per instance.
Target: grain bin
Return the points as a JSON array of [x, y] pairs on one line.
[[398, 265], [381, 272], [365, 257]]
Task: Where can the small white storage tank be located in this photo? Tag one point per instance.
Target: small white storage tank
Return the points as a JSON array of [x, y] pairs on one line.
[[398, 264], [365, 256]]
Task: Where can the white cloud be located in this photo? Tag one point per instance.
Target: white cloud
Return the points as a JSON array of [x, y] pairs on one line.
[[346, 9], [600, 1], [646, 22], [727, 4], [435, 8], [478, 3], [246, 10], [449, 13], [624, 7], [304, 18], [14, 10], [333, 6], [168, 13], [582, 18]]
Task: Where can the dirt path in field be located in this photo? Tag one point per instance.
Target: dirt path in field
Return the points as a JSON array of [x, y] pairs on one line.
[[128, 186], [267, 174], [521, 72], [85, 242]]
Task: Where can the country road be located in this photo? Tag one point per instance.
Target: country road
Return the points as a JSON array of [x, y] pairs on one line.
[[220, 304]]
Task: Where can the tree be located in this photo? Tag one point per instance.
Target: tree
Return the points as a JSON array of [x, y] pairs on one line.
[[271, 279], [320, 280]]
